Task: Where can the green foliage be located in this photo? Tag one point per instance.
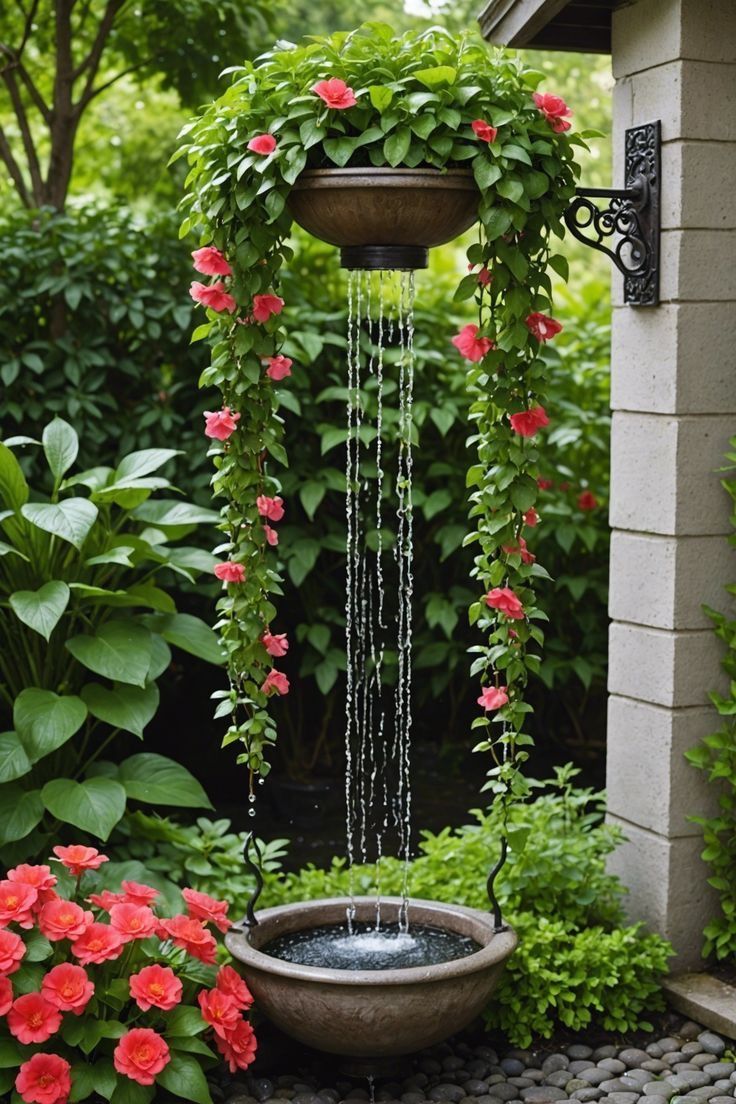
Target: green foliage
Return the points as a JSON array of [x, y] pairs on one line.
[[416, 98], [83, 593], [576, 964], [716, 755]]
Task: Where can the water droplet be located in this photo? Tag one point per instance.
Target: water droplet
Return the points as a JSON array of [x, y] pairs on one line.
[[251, 812]]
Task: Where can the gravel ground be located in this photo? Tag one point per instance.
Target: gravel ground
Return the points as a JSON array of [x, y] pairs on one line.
[[690, 1065]]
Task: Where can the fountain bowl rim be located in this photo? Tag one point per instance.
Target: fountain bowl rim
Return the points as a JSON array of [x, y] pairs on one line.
[[386, 177], [499, 945]]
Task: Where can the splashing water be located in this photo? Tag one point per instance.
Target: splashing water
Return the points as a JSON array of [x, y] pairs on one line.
[[337, 947], [377, 775]]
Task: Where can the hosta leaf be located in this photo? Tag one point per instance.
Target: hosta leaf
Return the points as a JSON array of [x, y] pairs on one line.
[[41, 609]]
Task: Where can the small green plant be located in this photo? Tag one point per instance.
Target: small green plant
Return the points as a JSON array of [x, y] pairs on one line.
[[576, 963], [86, 624], [716, 755]]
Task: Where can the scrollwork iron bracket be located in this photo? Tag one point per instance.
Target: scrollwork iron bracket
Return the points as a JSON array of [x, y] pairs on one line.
[[632, 216]]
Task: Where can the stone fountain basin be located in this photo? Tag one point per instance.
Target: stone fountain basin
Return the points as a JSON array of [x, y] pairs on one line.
[[371, 1013]]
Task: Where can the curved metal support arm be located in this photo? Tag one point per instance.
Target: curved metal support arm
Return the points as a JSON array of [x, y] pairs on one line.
[[498, 923], [251, 842]]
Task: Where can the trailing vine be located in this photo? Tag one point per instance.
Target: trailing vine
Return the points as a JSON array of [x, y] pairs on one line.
[[372, 99]]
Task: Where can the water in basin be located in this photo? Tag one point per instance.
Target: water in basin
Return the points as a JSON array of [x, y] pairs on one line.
[[336, 948]]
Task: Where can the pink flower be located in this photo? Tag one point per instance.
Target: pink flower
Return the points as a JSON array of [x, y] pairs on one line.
[[587, 501], [335, 93], [133, 921], [271, 508], [99, 943], [32, 1019], [141, 1055], [266, 305], [40, 877], [275, 680], [79, 858], [229, 981], [200, 906], [484, 131], [230, 572], [68, 988], [215, 296], [520, 549], [16, 903], [219, 1010], [545, 484], [138, 894], [192, 935], [470, 345], [239, 1049], [531, 517], [262, 143], [211, 262], [542, 326], [106, 899], [271, 535], [277, 645], [44, 1079], [493, 697], [155, 987], [527, 422], [6, 995], [61, 919], [484, 276], [505, 601], [279, 367], [12, 950], [553, 108], [220, 424]]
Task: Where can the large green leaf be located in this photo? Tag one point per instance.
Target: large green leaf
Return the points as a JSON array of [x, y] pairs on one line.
[[169, 511], [126, 707], [20, 812], [83, 1084], [183, 1076], [95, 805], [44, 720], [61, 445], [158, 780], [120, 650], [71, 520], [14, 762], [41, 609], [137, 464], [10, 1054], [185, 1020], [130, 1092], [189, 633], [13, 486]]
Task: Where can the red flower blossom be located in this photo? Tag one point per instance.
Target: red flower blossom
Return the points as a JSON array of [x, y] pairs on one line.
[[44, 1079], [79, 858], [470, 345], [12, 950], [266, 305], [275, 680], [200, 906], [33, 1019], [215, 296], [263, 144], [61, 919], [230, 572], [211, 262], [484, 131], [277, 645], [138, 894], [40, 877], [106, 899], [531, 518], [542, 326], [279, 367], [554, 109], [6, 995], [192, 936], [587, 500], [100, 943], [133, 921], [527, 422], [141, 1055], [271, 508], [335, 93], [219, 1010], [272, 536], [220, 424], [493, 697], [239, 1049], [520, 549], [155, 987], [16, 903], [229, 981], [544, 484], [68, 988], [505, 601]]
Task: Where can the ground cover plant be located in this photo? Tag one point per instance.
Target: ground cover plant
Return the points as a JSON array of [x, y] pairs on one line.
[[577, 963]]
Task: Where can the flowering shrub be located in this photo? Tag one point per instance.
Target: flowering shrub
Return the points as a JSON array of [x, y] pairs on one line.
[[370, 98], [101, 994]]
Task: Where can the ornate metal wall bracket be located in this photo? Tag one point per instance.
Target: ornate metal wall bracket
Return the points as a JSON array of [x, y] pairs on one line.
[[633, 214], [254, 865]]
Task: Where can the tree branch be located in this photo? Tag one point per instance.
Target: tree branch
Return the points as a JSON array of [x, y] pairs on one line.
[[6, 155], [34, 167], [118, 76], [92, 61], [30, 16], [25, 76]]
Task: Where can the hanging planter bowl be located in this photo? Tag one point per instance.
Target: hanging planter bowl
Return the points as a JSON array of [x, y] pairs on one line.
[[385, 218], [367, 1016]]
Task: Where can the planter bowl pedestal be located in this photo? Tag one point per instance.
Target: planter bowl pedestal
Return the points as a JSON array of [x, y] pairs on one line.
[[385, 218], [368, 1015]]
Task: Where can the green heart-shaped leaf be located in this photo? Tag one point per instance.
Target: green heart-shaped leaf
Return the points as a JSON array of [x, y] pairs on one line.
[[14, 762], [71, 520], [44, 720], [120, 650], [126, 707], [41, 609], [95, 806]]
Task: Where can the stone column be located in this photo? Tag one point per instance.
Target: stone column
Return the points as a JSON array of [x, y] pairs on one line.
[[674, 402]]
